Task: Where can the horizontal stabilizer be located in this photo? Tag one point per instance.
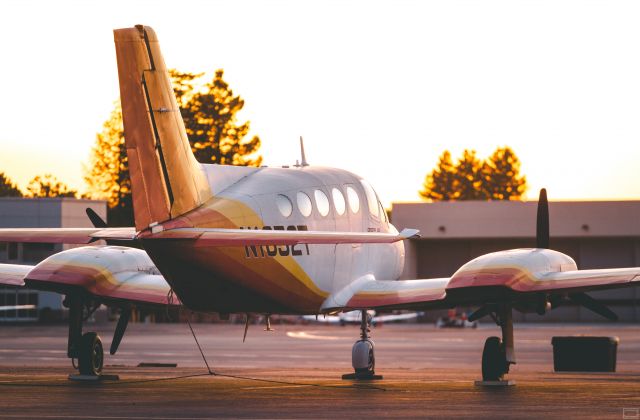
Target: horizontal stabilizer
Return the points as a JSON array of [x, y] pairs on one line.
[[65, 235], [206, 237]]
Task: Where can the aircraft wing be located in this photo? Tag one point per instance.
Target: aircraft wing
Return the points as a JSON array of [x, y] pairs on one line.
[[369, 293], [65, 235], [206, 237], [512, 275], [108, 273], [13, 274], [398, 293], [524, 271], [522, 281]]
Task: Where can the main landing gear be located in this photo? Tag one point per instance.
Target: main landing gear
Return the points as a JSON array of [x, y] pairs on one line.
[[87, 348], [362, 355], [498, 354]]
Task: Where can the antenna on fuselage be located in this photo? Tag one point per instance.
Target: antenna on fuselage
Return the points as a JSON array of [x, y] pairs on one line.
[[303, 161]]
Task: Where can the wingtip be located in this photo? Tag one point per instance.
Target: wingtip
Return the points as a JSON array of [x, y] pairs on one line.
[[410, 234]]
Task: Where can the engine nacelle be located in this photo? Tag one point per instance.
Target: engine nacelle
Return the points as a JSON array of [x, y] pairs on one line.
[[516, 269]]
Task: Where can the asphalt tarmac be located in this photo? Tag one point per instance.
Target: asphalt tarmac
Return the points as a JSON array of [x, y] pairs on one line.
[[294, 372]]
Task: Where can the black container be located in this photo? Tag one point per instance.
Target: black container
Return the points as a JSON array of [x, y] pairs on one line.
[[584, 354]]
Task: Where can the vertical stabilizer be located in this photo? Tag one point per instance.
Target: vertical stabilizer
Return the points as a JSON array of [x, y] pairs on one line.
[[166, 180]]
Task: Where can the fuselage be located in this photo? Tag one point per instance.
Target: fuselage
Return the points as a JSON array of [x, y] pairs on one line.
[[286, 278]]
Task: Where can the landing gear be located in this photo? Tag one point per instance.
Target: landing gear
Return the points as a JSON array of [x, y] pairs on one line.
[[498, 354], [363, 358], [87, 348], [90, 354], [494, 360]]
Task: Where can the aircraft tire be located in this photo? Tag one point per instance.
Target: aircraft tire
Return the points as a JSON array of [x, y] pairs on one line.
[[494, 360], [91, 354]]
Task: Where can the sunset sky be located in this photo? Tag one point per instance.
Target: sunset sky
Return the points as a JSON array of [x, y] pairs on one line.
[[379, 88]]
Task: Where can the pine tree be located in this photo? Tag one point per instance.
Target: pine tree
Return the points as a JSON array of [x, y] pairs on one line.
[[211, 122], [502, 177], [209, 114], [48, 186], [8, 188], [495, 178], [439, 184], [468, 177]]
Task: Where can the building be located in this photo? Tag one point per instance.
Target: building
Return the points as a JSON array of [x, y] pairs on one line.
[[597, 234], [38, 212]]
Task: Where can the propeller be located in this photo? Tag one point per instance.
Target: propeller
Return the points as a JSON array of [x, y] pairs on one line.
[[99, 223], [96, 220], [542, 221], [593, 305], [542, 241]]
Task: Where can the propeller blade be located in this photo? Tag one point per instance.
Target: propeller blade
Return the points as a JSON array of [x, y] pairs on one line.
[[125, 315], [96, 220], [246, 327], [481, 312], [593, 305], [542, 225]]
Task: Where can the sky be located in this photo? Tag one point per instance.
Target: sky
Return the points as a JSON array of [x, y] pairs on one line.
[[380, 88]]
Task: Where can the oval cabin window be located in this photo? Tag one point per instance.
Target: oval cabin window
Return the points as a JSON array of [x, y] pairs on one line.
[[304, 204], [322, 202], [354, 200], [284, 205], [338, 201], [372, 199]]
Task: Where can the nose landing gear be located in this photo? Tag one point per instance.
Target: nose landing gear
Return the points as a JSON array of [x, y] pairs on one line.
[[362, 354]]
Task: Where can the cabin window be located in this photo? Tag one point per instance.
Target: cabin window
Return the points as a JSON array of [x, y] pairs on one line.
[[354, 200], [322, 202], [338, 201], [372, 199], [304, 204], [284, 205], [383, 212]]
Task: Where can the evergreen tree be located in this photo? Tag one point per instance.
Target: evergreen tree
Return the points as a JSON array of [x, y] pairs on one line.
[[502, 177], [469, 178], [439, 184], [48, 186], [209, 114], [211, 122], [8, 188], [496, 178]]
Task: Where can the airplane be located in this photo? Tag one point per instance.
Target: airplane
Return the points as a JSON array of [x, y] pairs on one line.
[[355, 317], [300, 240]]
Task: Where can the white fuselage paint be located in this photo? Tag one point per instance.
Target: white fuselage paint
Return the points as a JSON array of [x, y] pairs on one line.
[[331, 267]]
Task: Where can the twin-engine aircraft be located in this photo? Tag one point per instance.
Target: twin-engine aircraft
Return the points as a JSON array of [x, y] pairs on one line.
[[294, 240]]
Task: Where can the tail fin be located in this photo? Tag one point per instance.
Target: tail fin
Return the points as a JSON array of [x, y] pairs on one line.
[[166, 179]]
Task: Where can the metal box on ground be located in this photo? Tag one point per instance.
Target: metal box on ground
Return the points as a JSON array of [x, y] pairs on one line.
[[584, 354]]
